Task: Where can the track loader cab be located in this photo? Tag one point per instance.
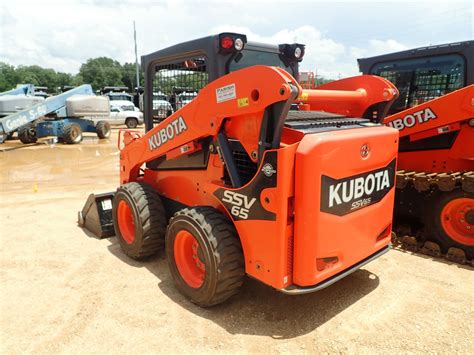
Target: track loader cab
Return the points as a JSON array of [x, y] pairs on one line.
[[423, 74], [235, 183]]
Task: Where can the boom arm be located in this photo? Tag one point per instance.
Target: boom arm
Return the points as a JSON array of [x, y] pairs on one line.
[[14, 121], [354, 97], [243, 95], [258, 99]]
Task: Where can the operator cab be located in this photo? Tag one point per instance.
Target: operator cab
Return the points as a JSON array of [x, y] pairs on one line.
[[194, 64], [423, 74]]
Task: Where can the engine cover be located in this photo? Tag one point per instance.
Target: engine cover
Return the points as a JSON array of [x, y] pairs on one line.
[[344, 196]]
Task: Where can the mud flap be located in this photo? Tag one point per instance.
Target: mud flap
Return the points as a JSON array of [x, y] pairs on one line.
[[96, 216]]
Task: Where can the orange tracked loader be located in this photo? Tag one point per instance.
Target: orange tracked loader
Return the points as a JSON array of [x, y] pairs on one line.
[[435, 117]]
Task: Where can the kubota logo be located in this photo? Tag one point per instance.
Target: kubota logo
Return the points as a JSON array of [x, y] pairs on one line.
[[417, 117], [171, 130], [343, 196]]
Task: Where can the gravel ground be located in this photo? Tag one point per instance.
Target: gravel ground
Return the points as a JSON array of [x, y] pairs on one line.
[[64, 292]]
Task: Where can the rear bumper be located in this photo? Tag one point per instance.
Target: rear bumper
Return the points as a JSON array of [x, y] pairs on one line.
[[297, 290]]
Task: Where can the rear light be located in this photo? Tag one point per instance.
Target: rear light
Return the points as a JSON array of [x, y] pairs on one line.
[[385, 233], [227, 42], [326, 263], [238, 44], [298, 52], [292, 52], [471, 122]]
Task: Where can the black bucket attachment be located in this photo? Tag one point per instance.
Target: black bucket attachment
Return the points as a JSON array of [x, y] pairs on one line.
[[96, 216]]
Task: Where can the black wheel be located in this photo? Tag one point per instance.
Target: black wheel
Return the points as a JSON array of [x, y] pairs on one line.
[[27, 134], [131, 122], [139, 220], [449, 220], [204, 255], [72, 134], [103, 129]]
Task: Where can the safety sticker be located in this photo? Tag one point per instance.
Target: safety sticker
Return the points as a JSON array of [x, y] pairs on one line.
[[106, 205], [303, 97], [244, 101], [225, 93]]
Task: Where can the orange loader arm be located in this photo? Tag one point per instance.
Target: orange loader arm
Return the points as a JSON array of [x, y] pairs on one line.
[[352, 97], [245, 93]]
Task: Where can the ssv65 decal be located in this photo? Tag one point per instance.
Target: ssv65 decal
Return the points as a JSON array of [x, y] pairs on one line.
[[346, 195], [244, 203]]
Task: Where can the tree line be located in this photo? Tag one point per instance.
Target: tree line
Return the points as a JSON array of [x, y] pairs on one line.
[[98, 72]]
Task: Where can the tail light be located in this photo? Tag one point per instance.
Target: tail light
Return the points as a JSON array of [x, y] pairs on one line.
[[385, 233], [326, 263], [231, 42], [292, 52], [227, 42]]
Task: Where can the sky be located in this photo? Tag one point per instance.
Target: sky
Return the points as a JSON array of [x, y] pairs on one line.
[[64, 34]]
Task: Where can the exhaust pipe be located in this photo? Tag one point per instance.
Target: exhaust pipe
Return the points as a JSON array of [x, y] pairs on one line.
[[96, 216]]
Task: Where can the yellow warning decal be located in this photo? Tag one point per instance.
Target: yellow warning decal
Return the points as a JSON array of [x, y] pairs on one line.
[[303, 97], [242, 102]]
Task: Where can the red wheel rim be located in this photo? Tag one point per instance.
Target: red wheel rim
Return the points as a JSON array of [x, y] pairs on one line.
[[457, 220], [189, 259], [125, 222]]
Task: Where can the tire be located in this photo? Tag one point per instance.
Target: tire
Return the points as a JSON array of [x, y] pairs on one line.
[[27, 134], [103, 129], [139, 220], [204, 255], [446, 221], [131, 122], [72, 134]]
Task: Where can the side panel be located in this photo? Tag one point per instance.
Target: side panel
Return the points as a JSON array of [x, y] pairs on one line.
[[261, 210], [326, 243], [454, 107], [460, 157]]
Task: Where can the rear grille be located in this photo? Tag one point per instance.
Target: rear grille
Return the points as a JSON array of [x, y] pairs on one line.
[[245, 166], [289, 266], [319, 121]]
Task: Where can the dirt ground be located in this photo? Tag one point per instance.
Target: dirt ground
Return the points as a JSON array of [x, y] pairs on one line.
[[64, 292]]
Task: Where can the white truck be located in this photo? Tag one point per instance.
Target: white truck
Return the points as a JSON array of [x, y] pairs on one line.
[[118, 116]]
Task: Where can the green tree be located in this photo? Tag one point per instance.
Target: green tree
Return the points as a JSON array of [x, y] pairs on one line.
[[102, 71], [129, 77], [8, 77]]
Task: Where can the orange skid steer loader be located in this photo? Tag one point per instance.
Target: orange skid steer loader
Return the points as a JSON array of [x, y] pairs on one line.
[[239, 181]]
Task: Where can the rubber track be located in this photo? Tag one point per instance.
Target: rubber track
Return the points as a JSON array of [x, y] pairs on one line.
[[226, 249], [427, 182]]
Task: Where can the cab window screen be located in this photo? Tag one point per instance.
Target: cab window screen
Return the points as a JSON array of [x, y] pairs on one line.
[[424, 79], [248, 57], [176, 84]]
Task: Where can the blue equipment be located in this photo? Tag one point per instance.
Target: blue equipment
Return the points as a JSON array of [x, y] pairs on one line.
[[32, 125], [21, 89]]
